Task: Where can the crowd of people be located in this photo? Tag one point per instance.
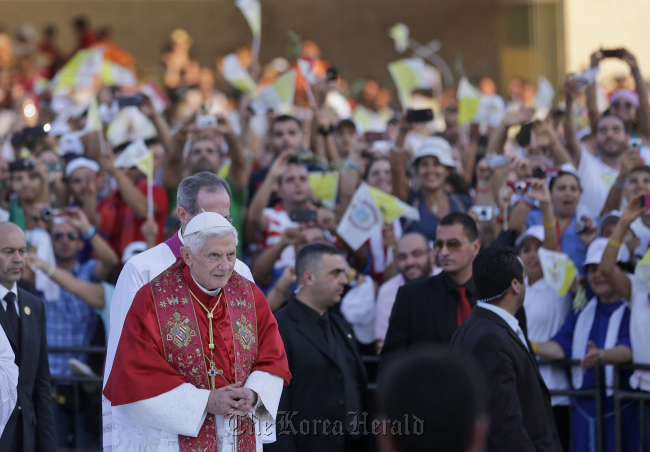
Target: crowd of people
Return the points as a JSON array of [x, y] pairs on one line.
[[567, 189]]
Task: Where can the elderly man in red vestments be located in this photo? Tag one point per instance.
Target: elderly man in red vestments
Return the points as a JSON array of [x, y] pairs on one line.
[[200, 364]]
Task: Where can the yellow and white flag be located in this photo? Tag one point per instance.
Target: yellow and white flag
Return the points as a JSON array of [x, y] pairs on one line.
[[400, 34], [79, 71], [138, 155], [469, 100], [559, 270], [325, 185], [369, 120], [235, 74], [252, 12], [391, 207], [408, 75], [279, 94], [113, 74], [369, 209]]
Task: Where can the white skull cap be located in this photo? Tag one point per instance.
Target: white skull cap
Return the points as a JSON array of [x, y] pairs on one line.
[[206, 220]]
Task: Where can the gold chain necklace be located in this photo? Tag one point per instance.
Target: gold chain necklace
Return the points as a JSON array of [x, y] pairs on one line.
[[213, 371]]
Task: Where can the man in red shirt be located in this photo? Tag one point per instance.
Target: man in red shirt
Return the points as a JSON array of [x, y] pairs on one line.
[[124, 211]]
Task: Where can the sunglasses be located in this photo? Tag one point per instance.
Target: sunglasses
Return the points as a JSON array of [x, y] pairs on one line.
[[452, 245], [617, 104], [70, 235]]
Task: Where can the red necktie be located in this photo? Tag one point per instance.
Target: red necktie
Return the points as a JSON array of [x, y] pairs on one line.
[[464, 308]]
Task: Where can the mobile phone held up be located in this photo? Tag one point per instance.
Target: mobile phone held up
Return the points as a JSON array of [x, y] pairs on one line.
[[302, 215], [129, 101], [612, 53], [414, 116], [206, 121]]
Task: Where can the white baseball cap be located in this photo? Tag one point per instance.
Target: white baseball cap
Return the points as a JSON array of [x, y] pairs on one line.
[[436, 147], [536, 232], [597, 248]]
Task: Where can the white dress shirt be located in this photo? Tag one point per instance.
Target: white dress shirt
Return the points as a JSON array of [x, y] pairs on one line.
[[509, 319], [8, 380], [137, 272], [546, 312], [3, 293]]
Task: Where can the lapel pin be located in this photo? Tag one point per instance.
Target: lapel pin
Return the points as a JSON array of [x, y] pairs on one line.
[[349, 336], [27, 310]]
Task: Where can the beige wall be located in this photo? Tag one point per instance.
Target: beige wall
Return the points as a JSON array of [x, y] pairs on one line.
[[351, 33], [590, 24]]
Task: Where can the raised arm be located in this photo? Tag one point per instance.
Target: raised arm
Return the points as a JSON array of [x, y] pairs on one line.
[[107, 257], [592, 98], [240, 167], [263, 268], [616, 277], [136, 200], [631, 159], [263, 194], [500, 135], [164, 134], [546, 137], [90, 293], [571, 139], [398, 161], [643, 112], [539, 190]]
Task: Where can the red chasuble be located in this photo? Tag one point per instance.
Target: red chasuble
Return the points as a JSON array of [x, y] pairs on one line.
[[148, 363]]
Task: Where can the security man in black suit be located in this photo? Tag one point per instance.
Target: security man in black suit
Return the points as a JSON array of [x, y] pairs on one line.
[[430, 310], [519, 403], [22, 317], [322, 410]]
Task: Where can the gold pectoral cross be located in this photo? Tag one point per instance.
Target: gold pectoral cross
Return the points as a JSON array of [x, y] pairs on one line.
[[213, 372]]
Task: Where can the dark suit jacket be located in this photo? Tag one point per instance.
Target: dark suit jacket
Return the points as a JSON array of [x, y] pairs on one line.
[[519, 404], [426, 312], [316, 391], [34, 395]]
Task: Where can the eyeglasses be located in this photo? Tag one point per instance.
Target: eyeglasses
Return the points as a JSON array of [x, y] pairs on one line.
[[452, 245], [58, 236], [617, 104]]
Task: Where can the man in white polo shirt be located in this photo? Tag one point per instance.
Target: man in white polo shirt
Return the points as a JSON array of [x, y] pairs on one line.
[[203, 192]]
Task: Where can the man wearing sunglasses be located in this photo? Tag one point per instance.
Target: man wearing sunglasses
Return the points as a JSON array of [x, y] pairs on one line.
[[72, 320], [430, 310]]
